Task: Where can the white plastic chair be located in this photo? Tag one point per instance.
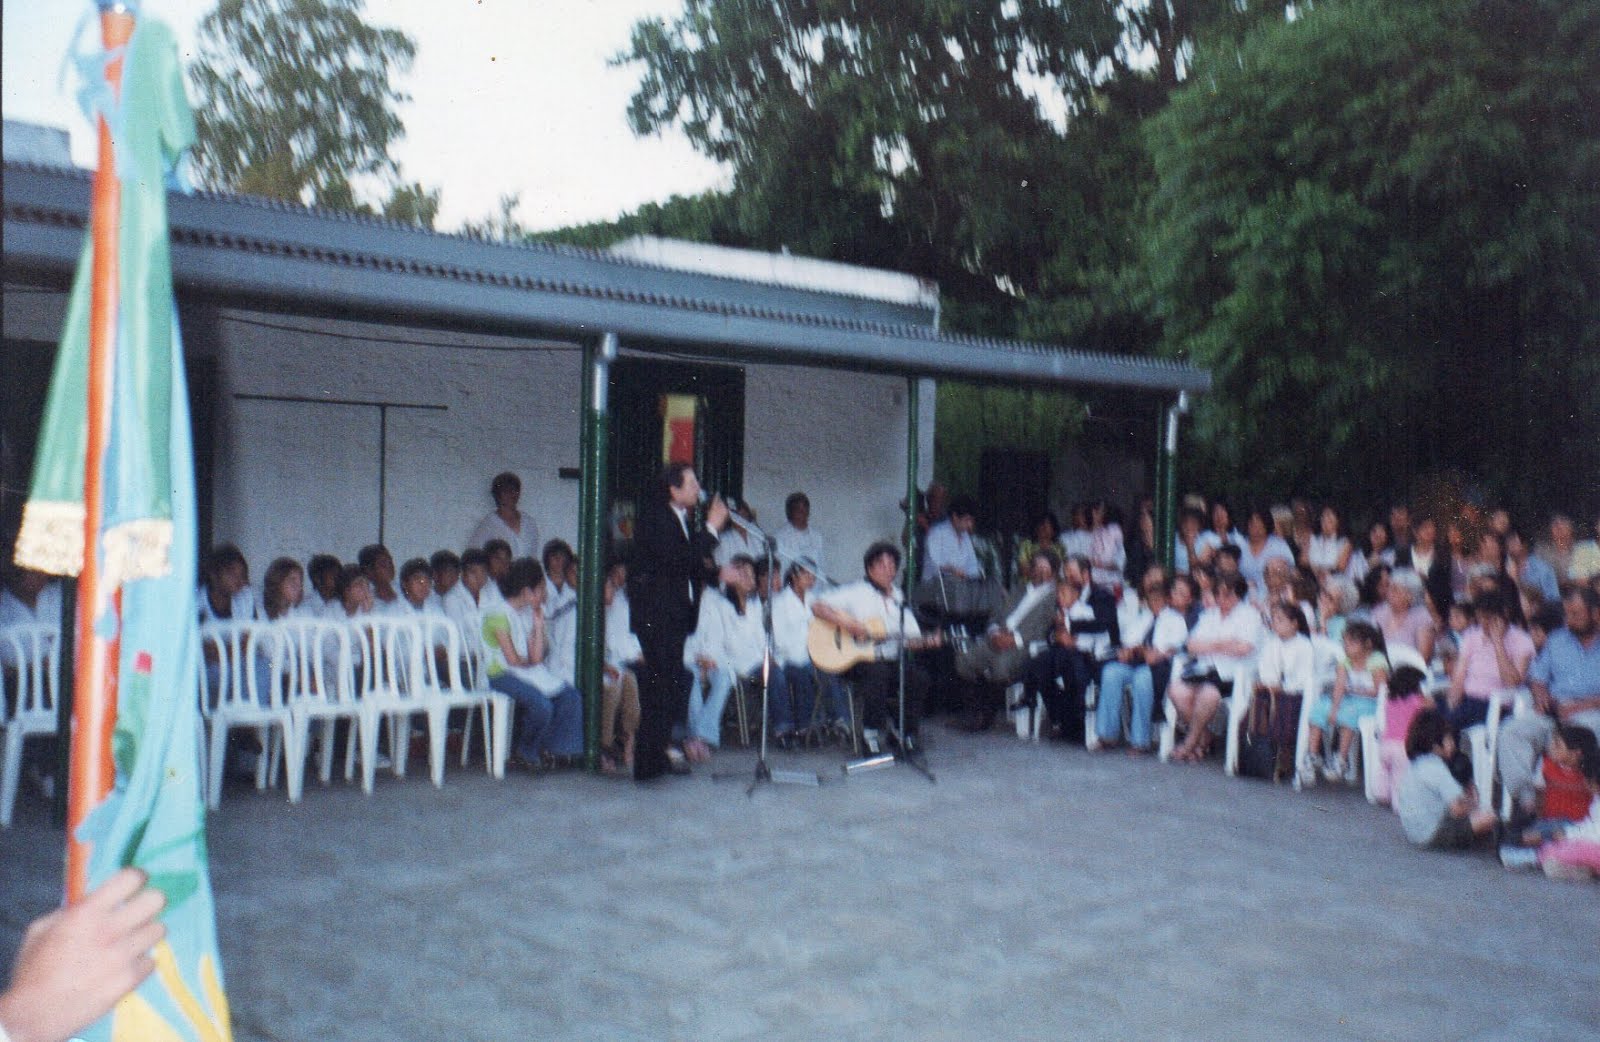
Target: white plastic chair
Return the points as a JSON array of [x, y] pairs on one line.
[[1483, 744], [1243, 674], [1029, 720], [320, 688], [30, 654], [247, 656], [390, 652], [1324, 668], [436, 695]]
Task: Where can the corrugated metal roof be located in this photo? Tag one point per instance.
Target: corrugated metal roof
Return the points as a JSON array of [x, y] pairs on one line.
[[263, 252]]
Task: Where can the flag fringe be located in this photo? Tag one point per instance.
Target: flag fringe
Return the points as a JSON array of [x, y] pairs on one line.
[[51, 538], [139, 549]]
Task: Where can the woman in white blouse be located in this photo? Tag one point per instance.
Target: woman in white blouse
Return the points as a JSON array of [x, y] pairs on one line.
[[727, 645]]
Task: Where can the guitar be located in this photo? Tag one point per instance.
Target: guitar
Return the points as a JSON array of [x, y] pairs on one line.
[[834, 651]]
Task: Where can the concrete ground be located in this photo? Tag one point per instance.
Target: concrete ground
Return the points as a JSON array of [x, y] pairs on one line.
[[1034, 892]]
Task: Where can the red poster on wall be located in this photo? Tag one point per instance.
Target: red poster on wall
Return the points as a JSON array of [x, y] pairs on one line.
[[680, 412]]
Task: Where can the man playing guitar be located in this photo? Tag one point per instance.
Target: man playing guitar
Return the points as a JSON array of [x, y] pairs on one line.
[[859, 609]]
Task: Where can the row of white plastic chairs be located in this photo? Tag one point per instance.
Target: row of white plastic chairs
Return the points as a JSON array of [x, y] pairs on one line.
[[281, 678], [1481, 741], [28, 685]]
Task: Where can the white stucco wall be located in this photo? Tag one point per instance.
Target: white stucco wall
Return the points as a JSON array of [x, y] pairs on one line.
[[301, 478], [840, 437]]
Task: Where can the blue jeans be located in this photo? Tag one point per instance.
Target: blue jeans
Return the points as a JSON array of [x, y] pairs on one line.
[[707, 700], [1137, 680], [544, 723], [802, 684]]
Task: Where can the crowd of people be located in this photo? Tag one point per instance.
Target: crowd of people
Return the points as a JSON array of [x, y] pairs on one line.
[[1472, 600]]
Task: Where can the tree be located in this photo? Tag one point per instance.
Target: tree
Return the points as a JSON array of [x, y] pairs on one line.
[[412, 204], [296, 100], [708, 217], [1377, 224]]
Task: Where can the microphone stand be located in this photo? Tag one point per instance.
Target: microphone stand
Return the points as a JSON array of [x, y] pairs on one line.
[[764, 773]]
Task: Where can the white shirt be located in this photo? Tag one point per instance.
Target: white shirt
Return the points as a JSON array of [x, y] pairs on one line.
[[863, 602], [791, 624], [244, 607], [1287, 663], [1252, 564], [734, 642], [1030, 600], [1077, 542], [794, 544], [1210, 540], [1172, 630], [523, 544], [1243, 623], [561, 630], [1424, 796], [622, 646], [948, 548], [734, 542]]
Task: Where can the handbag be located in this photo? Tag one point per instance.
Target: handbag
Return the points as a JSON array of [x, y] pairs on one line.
[[1258, 745]]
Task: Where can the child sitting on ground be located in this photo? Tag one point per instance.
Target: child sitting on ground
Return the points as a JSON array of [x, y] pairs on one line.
[[1575, 852], [1436, 810], [1406, 700], [1562, 791]]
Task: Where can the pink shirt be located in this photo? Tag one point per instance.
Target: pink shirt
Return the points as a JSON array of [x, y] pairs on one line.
[[1398, 714], [1482, 665], [1407, 630]]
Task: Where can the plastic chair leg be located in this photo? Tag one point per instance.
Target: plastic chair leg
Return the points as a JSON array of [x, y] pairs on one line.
[[218, 754], [10, 774], [368, 728], [328, 728], [264, 760], [466, 734], [501, 734], [438, 719], [295, 735]]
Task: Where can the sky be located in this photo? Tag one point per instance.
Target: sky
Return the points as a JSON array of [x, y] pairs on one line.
[[508, 96]]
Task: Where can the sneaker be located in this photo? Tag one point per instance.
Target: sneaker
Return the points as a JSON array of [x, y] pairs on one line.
[[872, 740], [1519, 859], [1350, 776], [1308, 773], [1332, 769]]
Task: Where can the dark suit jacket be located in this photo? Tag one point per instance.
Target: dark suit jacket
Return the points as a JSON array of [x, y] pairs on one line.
[[1438, 579], [1104, 607], [666, 575]]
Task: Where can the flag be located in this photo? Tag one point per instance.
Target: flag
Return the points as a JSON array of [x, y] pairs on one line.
[[153, 818]]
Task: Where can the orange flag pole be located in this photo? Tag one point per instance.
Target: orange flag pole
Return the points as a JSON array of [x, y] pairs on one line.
[[92, 771]]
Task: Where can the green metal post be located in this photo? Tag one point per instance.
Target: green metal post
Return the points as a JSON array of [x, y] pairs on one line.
[[1168, 470], [1163, 518], [597, 358], [913, 420]]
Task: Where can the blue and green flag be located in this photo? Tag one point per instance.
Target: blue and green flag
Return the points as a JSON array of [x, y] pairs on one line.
[[154, 817]]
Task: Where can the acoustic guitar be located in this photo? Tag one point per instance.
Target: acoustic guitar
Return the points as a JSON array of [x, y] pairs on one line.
[[834, 651]]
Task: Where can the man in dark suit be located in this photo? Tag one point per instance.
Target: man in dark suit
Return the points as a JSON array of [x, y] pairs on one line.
[[1085, 631], [672, 561], [997, 659]]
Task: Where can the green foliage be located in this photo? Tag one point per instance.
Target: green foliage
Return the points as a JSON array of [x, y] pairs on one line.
[[501, 226], [973, 418], [412, 204], [1377, 225], [295, 100], [708, 217]]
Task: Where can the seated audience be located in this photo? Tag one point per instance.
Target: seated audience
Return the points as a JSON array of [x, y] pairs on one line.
[[377, 564], [499, 552], [736, 540], [1143, 664], [549, 717], [1379, 548], [1077, 540], [950, 546], [561, 609], [225, 593], [446, 573], [1361, 669], [1220, 533], [1046, 530], [1335, 604], [1221, 649], [619, 691], [1584, 564], [416, 588], [1565, 681], [1560, 796], [1403, 617], [1494, 657], [1528, 568], [996, 660], [1424, 556], [283, 591], [1185, 552], [1260, 545], [323, 571], [1436, 810], [1107, 553], [726, 647], [1557, 550], [1329, 551], [1082, 638], [466, 600], [352, 595], [791, 625]]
